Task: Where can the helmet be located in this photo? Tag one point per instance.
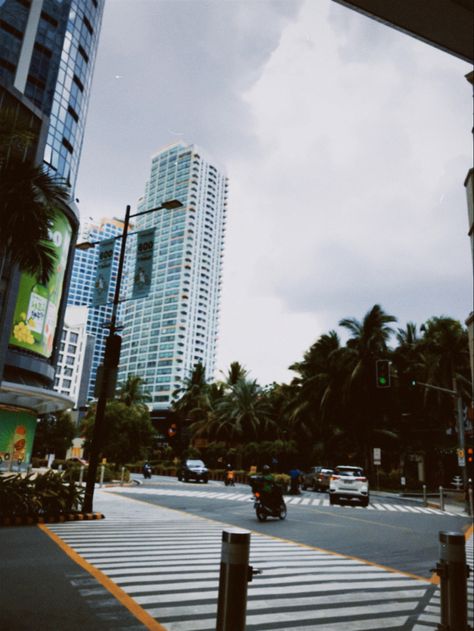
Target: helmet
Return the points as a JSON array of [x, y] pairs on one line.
[[265, 468]]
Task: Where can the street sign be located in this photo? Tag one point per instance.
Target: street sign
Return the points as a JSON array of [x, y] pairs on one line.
[[377, 456], [461, 458]]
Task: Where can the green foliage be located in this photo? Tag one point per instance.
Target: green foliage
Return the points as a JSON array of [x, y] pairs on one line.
[[36, 495], [128, 434], [54, 434]]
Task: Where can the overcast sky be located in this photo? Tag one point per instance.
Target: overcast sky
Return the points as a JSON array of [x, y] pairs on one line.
[[346, 144]]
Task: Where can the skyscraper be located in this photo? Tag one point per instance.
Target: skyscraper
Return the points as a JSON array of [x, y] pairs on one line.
[[176, 325], [47, 55], [81, 288]]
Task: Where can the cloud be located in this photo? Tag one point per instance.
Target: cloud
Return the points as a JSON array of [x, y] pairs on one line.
[[346, 144], [354, 195]]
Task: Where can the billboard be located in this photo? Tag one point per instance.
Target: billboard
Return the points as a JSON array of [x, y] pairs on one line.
[[143, 263], [37, 306], [17, 433], [104, 272]]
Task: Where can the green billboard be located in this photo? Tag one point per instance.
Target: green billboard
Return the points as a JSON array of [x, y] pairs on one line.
[[37, 306], [17, 433]]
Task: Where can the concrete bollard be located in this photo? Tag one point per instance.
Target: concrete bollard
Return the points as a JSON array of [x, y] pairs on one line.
[[453, 573], [233, 578], [102, 473], [425, 497], [441, 498], [122, 475]]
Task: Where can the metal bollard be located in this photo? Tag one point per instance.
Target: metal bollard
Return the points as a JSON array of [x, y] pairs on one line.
[[122, 476], [453, 573], [425, 498], [233, 578], [102, 472], [81, 474], [441, 498]]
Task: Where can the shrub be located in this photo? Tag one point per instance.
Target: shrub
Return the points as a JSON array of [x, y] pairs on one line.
[[35, 495]]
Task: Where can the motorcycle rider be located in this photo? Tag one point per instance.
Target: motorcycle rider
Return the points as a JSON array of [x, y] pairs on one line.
[[229, 476], [270, 490]]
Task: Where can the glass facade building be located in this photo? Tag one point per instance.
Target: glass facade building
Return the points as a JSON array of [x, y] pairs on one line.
[[47, 56], [176, 326], [47, 53]]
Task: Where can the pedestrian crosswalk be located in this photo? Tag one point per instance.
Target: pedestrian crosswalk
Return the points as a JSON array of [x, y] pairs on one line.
[[168, 563], [302, 501]]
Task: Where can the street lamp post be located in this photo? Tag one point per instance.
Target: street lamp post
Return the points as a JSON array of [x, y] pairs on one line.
[[111, 359]]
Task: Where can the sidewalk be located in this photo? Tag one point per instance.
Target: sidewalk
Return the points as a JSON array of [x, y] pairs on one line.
[[43, 588]]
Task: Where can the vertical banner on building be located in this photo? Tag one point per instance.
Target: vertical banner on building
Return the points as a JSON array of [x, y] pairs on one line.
[[104, 271], [143, 263]]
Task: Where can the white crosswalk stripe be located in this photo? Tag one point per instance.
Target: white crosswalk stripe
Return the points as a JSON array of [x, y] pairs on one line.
[[300, 501], [168, 562]]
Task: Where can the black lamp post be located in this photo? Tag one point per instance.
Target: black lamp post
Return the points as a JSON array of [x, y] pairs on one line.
[[111, 357]]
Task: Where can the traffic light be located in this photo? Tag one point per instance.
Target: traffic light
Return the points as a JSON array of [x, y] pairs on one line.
[[382, 370], [470, 455]]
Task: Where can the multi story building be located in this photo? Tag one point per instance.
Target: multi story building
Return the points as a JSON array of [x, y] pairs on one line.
[[47, 56], [176, 325], [75, 357], [81, 288]]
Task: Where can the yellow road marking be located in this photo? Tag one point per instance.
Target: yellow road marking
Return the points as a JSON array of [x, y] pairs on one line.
[[467, 534], [118, 593]]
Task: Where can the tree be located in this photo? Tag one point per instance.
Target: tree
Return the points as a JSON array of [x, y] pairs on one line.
[[28, 199], [368, 342], [54, 434], [131, 391], [128, 434]]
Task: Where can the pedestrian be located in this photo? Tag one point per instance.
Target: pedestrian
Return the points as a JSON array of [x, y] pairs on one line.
[[295, 475]]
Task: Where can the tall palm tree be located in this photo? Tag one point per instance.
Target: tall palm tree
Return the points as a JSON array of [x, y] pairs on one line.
[[368, 342], [131, 391], [28, 199]]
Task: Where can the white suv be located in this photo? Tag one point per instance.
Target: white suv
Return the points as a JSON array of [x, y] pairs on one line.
[[349, 483]]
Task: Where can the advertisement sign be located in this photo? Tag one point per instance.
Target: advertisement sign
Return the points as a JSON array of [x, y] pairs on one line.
[[104, 271], [37, 306], [143, 263], [17, 432], [377, 456]]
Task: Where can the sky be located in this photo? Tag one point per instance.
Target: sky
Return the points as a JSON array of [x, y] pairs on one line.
[[346, 145]]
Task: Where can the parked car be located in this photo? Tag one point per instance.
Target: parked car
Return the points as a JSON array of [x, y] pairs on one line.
[[193, 470], [317, 478], [348, 483]]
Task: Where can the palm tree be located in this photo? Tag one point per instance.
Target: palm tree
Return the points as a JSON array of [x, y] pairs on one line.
[[367, 343], [131, 391], [244, 411], [28, 199], [235, 373]]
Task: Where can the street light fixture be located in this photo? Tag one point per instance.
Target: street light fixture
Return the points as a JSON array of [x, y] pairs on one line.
[[111, 354]]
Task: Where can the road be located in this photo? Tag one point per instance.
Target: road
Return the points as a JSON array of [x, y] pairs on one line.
[[390, 532], [323, 568]]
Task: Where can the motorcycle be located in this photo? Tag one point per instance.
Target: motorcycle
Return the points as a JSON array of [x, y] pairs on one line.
[[263, 510], [147, 472]]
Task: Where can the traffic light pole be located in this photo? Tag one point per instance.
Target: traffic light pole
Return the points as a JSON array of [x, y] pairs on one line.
[[461, 438]]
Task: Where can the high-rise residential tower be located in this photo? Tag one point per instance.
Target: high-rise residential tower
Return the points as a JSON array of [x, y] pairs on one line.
[[47, 57], [176, 325]]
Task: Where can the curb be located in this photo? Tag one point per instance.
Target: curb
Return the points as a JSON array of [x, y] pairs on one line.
[[31, 520]]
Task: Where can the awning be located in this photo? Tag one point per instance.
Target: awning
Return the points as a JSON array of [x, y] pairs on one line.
[[38, 400]]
